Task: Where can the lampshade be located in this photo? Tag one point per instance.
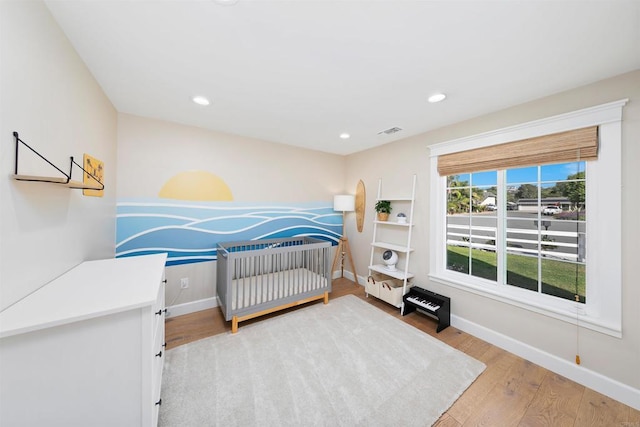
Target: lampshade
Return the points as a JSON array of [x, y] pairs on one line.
[[344, 203]]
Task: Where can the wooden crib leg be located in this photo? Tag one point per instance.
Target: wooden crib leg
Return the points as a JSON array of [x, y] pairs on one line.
[[234, 324], [326, 297]]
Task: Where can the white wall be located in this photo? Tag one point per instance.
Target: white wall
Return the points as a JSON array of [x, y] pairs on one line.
[[613, 358], [52, 100], [150, 152]]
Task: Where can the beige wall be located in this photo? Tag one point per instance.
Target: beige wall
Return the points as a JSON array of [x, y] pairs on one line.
[[52, 100], [152, 151], [612, 357]]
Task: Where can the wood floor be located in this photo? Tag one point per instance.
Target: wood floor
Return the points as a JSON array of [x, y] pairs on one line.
[[510, 392]]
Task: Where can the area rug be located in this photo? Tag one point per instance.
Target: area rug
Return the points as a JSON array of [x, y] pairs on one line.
[[346, 363]]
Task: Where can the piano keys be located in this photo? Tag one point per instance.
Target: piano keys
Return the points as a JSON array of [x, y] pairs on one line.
[[433, 305]]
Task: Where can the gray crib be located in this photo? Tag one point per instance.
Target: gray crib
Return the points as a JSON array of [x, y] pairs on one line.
[[259, 277]]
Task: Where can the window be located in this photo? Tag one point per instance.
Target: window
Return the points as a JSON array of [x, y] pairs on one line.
[[472, 224], [538, 234], [542, 240]]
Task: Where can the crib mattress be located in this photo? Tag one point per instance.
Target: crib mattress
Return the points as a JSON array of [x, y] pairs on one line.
[[253, 290]]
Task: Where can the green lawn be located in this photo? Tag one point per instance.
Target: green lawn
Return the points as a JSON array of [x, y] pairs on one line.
[[558, 277]]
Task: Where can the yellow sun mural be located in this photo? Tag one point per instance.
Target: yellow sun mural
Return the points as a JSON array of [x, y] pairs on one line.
[[196, 185]]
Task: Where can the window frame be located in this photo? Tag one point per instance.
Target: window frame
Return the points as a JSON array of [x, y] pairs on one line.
[[602, 310]]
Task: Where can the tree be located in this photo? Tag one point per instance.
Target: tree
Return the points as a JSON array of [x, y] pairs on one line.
[[574, 189], [493, 190], [527, 191], [458, 200], [551, 192], [457, 195], [461, 198], [454, 181]]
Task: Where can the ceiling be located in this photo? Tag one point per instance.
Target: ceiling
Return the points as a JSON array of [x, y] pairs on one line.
[[303, 72]]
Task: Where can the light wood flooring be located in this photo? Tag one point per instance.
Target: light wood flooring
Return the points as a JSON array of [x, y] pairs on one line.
[[510, 392]]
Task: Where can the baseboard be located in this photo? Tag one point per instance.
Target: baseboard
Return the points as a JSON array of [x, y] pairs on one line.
[[192, 307], [595, 381], [347, 275]]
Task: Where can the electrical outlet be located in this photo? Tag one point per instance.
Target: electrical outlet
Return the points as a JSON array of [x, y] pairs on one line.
[[184, 283]]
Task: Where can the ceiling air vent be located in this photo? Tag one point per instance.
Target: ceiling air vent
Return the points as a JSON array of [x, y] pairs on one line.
[[390, 131]]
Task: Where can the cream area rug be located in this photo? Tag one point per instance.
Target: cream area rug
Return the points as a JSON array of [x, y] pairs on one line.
[[346, 363]]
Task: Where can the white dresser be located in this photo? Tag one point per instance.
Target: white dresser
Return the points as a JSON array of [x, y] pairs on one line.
[[87, 349]]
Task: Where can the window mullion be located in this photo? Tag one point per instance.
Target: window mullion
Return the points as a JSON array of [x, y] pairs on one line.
[[471, 224], [539, 185], [501, 229]]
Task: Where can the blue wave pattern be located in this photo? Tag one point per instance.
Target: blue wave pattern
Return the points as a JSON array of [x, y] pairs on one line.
[[190, 231]]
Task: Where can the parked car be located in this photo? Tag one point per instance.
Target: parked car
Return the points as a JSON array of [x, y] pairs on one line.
[[490, 207], [551, 210]]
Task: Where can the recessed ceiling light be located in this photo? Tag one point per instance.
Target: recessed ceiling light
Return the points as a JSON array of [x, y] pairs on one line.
[[200, 100], [226, 2], [437, 97], [345, 135]]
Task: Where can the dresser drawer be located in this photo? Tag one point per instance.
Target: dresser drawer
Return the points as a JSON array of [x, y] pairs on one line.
[[160, 313], [157, 366], [156, 375], [155, 414]]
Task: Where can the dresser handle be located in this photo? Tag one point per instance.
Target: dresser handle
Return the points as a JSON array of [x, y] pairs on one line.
[[159, 354], [164, 345], [164, 281], [159, 313], [159, 402]]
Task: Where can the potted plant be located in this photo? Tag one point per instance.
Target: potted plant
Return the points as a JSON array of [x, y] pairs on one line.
[[383, 208]]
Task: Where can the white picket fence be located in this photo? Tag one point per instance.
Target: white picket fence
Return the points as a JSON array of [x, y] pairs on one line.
[[470, 236]]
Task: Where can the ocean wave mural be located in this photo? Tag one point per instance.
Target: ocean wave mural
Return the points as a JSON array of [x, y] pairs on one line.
[[190, 231]]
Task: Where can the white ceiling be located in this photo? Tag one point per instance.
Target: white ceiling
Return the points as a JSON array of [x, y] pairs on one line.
[[302, 72]]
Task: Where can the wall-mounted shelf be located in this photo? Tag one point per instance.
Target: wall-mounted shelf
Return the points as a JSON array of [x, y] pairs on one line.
[[64, 180], [60, 181]]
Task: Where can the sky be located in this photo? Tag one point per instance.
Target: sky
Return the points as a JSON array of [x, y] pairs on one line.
[[528, 175]]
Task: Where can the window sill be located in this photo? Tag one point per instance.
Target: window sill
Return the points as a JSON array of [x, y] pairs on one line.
[[560, 313]]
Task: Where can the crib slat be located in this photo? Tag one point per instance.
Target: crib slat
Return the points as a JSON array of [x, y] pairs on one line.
[[252, 281]]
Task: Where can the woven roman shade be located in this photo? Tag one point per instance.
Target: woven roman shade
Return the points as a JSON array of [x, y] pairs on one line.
[[555, 148]]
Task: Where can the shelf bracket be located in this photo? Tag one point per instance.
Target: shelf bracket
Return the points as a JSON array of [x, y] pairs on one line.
[[73, 162], [18, 142]]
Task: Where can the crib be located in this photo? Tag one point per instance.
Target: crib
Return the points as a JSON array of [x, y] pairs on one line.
[[259, 277]]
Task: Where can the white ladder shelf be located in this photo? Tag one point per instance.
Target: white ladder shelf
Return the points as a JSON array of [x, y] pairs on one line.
[[402, 246]]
